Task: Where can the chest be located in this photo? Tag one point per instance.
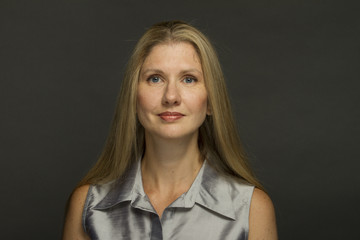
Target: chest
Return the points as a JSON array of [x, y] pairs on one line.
[[126, 222]]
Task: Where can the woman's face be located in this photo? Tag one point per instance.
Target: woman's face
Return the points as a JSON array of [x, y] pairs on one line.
[[171, 97]]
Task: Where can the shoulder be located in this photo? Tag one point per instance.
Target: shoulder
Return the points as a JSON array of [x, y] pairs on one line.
[[79, 195], [73, 221], [262, 221]]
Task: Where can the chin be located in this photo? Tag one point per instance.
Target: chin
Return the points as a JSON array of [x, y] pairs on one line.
[[174, 135]]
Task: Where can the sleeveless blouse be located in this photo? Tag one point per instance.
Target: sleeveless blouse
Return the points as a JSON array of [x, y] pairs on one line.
[[215, 207]]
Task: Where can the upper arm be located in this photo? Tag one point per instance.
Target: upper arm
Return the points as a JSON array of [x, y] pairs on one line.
[[73, 229], [262, 221]]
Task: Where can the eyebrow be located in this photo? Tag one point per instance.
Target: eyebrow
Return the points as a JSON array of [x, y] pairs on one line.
[[154, 70]]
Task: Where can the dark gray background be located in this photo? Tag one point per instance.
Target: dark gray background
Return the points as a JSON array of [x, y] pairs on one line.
[[292, 68]]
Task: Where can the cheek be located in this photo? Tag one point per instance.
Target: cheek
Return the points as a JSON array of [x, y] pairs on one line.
[[141, 103], [145, 102], [199, 103], [141, 109]]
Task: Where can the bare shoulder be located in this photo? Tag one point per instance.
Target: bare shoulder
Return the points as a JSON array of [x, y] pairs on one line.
[[73, 222], [262, 221], [78, 197]]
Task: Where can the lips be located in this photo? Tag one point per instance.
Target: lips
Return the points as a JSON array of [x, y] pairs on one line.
[[170, 116]]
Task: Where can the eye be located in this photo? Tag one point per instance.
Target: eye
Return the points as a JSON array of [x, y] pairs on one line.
[[154, 79], [189, 79]]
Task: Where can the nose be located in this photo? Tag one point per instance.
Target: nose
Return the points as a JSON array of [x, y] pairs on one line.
[[171, 94]]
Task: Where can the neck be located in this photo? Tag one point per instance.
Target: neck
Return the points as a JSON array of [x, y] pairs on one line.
[[169, 164]]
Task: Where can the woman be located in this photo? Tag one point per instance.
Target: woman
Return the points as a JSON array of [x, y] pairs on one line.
[[172, 167]]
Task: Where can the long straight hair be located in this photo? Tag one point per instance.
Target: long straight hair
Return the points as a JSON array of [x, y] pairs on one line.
[[218, 139]]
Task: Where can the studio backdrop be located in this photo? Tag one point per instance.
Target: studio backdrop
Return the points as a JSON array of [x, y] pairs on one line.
[[292, 69]]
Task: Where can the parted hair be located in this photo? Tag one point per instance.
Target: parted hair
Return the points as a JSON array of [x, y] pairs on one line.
[[218, 139]]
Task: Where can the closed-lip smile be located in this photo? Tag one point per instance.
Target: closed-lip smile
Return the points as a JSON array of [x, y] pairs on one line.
[[170, 116]]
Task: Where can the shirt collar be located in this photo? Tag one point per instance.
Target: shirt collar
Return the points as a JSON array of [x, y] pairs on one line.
[[209, 189], [214, 193]]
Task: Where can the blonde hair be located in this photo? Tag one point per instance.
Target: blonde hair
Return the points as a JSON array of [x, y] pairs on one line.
[[218, 139]]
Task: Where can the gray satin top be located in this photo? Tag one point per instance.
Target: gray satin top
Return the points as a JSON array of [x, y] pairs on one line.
[[215, 207]]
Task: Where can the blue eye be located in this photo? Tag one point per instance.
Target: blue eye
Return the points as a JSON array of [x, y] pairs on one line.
[[189, 80], [154, 79]]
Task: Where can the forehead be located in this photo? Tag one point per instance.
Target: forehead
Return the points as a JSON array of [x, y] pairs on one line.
[[180, 54]]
